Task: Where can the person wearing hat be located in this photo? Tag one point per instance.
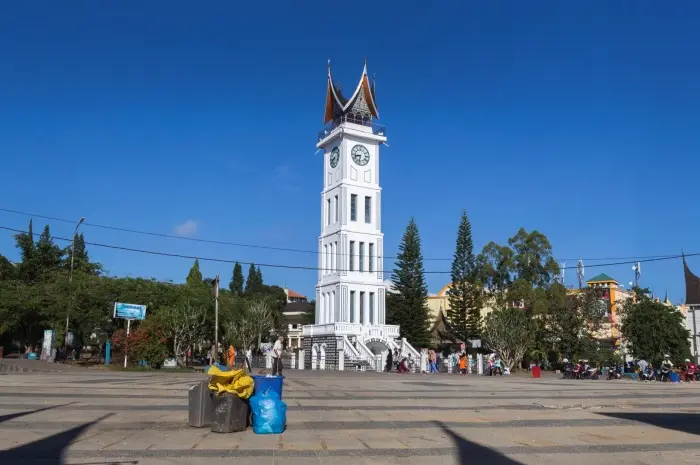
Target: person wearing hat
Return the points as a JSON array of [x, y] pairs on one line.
[[689, 371]]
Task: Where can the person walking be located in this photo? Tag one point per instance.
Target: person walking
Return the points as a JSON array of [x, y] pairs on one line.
[[389, 362], [277, 357]]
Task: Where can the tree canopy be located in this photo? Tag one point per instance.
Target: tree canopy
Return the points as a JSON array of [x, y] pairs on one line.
[[653, 330]]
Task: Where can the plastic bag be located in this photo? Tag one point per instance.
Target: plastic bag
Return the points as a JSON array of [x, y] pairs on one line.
[[235, 381], [269, 413]]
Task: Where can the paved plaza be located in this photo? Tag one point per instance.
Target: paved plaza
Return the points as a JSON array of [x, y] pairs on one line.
[[80, 416]]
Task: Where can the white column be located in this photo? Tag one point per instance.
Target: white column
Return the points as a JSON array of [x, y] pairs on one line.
[[331, 315], [320, 310], [365, 304], [375, 309], [341, 360], [301, 359], [332, 257]]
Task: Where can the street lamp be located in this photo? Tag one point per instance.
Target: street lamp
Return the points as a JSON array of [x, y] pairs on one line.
[[70, 280]]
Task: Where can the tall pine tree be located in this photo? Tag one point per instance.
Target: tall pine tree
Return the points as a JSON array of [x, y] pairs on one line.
[[194, 277], [408, 305], [48, 254], [81, 262], [236, 284], [464, 295], [253, 283], [28, 269]]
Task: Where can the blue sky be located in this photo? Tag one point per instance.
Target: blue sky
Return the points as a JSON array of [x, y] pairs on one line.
[[576, 120]]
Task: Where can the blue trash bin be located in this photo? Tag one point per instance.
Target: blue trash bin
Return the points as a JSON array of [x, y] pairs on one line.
[[673, 377], [262, 383]]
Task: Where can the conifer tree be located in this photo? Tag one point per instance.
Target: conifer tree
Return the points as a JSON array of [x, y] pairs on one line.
[[236, 284], [259, 278], [253, 283], [194, 277], [464, 313], [408, 306], [48, 254], [28, 269]]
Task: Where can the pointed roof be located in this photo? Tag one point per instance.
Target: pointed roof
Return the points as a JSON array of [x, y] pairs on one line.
[[602, 278], [441, 331], [336, 103], [692, 286]]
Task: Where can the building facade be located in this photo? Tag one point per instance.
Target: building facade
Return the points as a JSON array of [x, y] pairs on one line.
[[350, 292], [692, 309], [293, 316]]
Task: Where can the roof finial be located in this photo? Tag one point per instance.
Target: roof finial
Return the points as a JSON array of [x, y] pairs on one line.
[[365, 70]]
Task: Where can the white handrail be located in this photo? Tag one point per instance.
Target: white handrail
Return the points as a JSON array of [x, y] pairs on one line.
[[406, 347], [365, 353], [350, 349]]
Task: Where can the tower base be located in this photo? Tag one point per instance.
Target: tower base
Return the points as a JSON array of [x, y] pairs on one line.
[[353, 346]]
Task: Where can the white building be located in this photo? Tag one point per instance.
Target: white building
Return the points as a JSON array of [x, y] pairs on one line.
[[350, 314], [692, 308]]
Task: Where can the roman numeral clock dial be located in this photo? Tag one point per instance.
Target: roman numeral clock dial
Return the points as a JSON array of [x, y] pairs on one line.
[[360, 155]]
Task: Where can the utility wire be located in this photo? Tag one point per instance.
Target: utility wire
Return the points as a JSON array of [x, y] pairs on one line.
[[308, 268], [285, 249]]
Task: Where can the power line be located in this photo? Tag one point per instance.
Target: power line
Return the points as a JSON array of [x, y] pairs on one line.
[[301, 267], [208, 259], [282, 249]]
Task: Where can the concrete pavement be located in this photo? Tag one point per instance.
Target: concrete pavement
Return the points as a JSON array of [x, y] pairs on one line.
[[93, 416]]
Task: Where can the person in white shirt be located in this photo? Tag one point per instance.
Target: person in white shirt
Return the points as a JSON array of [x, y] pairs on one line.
[[277, 357]]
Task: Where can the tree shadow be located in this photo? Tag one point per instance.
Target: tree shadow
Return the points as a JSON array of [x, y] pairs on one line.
[[683, 422], [471, 453], [11, 416], [49, 450]]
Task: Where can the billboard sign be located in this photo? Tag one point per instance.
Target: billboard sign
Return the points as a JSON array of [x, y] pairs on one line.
[[129, 311]]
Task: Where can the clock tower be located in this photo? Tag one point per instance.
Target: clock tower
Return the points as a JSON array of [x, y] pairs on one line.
[[350, 314]]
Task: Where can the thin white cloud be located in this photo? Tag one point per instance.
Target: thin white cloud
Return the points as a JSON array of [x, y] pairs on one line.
[[186, 229], [285, 178]]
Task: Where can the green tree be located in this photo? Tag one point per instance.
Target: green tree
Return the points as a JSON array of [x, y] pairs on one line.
[[408, 306], [236, 284], [495, 264], [194, 277], [28, 269], [464, 314], [533, 258], [253, 283], [570, 329], [309, 316], [653, 330], [509, 333], [81, 262], [7, 269], [48, 254]]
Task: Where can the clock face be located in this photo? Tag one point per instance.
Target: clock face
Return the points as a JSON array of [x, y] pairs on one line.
[[335, 156], [360, 155]]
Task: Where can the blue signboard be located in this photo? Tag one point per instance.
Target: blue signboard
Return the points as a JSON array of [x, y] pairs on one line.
[[129, 311]]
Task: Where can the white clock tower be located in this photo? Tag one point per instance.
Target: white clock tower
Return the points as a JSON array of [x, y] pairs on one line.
[[350, 318]]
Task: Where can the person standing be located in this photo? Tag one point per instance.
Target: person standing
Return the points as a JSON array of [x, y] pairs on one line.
[[277, 357], [212, 355], [389, 362]]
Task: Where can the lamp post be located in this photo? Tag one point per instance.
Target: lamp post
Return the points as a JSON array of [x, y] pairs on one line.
[[70, 280]]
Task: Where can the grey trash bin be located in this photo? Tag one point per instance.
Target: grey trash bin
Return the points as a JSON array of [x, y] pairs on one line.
[[230, 414], [201, 405]]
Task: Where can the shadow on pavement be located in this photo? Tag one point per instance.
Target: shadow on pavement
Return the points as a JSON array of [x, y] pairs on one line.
[[684, 422], [11, 416], [471, 453], [46, 451]]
